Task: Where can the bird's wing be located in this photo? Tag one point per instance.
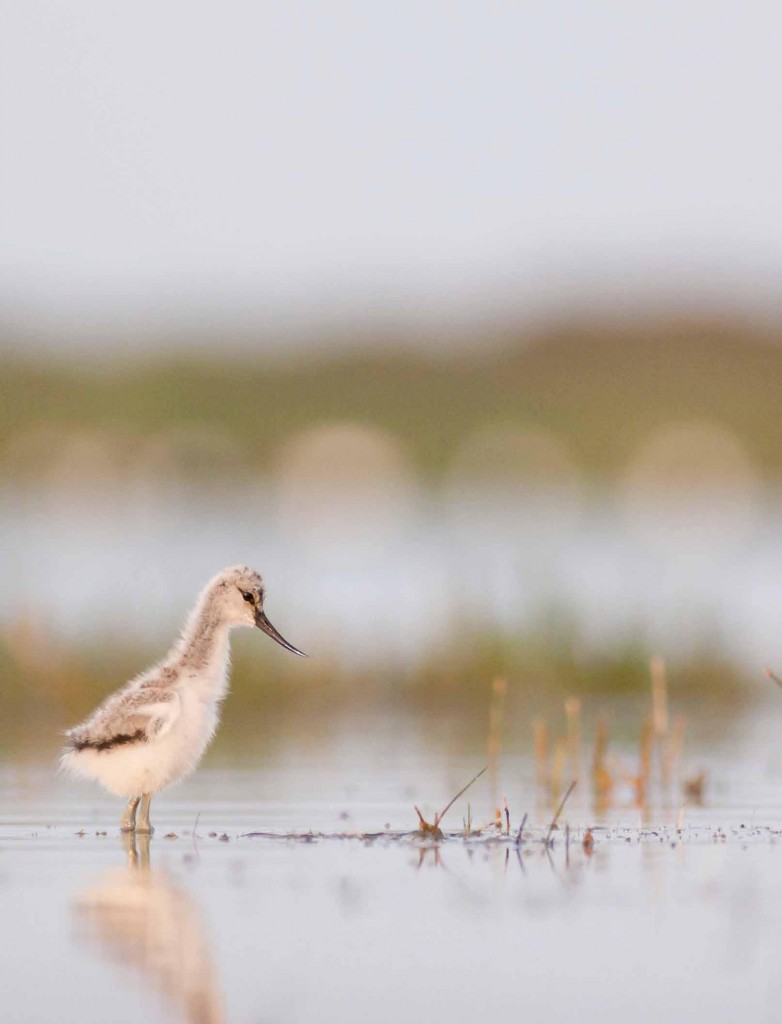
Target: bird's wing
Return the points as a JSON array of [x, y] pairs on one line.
[[138, 715], [156, 716]]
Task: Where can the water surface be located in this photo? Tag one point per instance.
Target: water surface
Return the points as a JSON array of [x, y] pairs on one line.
[[673, 913]]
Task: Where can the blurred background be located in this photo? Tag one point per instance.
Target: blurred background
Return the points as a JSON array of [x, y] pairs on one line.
[[461, 322]]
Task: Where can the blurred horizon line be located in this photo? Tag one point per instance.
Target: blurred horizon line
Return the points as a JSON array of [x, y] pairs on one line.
[[435, 313], [327, 336]]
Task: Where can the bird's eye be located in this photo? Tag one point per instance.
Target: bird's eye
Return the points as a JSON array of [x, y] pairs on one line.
[[249, 598]]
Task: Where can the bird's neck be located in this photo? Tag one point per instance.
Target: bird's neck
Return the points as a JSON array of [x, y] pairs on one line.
[[201, 654]]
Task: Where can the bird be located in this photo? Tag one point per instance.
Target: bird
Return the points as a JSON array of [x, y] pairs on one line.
[[154, 730]]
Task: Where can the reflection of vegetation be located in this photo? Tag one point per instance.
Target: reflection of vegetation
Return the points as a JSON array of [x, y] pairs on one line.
[[599, 387]]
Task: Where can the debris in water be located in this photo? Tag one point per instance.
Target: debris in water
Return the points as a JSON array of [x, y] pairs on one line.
[[434, 830]]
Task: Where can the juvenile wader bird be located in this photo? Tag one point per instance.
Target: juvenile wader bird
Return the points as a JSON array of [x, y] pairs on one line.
[[154, 730]]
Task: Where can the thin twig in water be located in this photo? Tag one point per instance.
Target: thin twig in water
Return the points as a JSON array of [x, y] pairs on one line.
[[468, 822], [194, 836], [521, 829], [439, 817], [434, 830], [554, 820]]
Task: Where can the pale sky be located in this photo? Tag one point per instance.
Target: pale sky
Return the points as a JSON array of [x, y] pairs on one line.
[[169, 162]]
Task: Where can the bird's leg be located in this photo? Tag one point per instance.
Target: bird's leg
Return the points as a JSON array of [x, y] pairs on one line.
[[143, 818], [128, 821]]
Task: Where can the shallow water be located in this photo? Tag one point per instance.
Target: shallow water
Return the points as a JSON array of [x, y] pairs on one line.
[[658, 921]]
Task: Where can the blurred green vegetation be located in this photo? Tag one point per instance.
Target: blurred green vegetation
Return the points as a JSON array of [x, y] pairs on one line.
[[51, 687], [601, 387]]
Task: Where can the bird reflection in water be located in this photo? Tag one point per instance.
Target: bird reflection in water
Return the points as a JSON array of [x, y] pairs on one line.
[[137, 917]]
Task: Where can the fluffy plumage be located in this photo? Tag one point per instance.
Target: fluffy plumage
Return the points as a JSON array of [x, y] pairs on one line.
[[154, 730]]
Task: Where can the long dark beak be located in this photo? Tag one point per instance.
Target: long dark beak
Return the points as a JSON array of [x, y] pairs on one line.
[[263, 623]]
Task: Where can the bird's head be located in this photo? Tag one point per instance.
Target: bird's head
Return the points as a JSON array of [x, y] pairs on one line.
[[239, 592]]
